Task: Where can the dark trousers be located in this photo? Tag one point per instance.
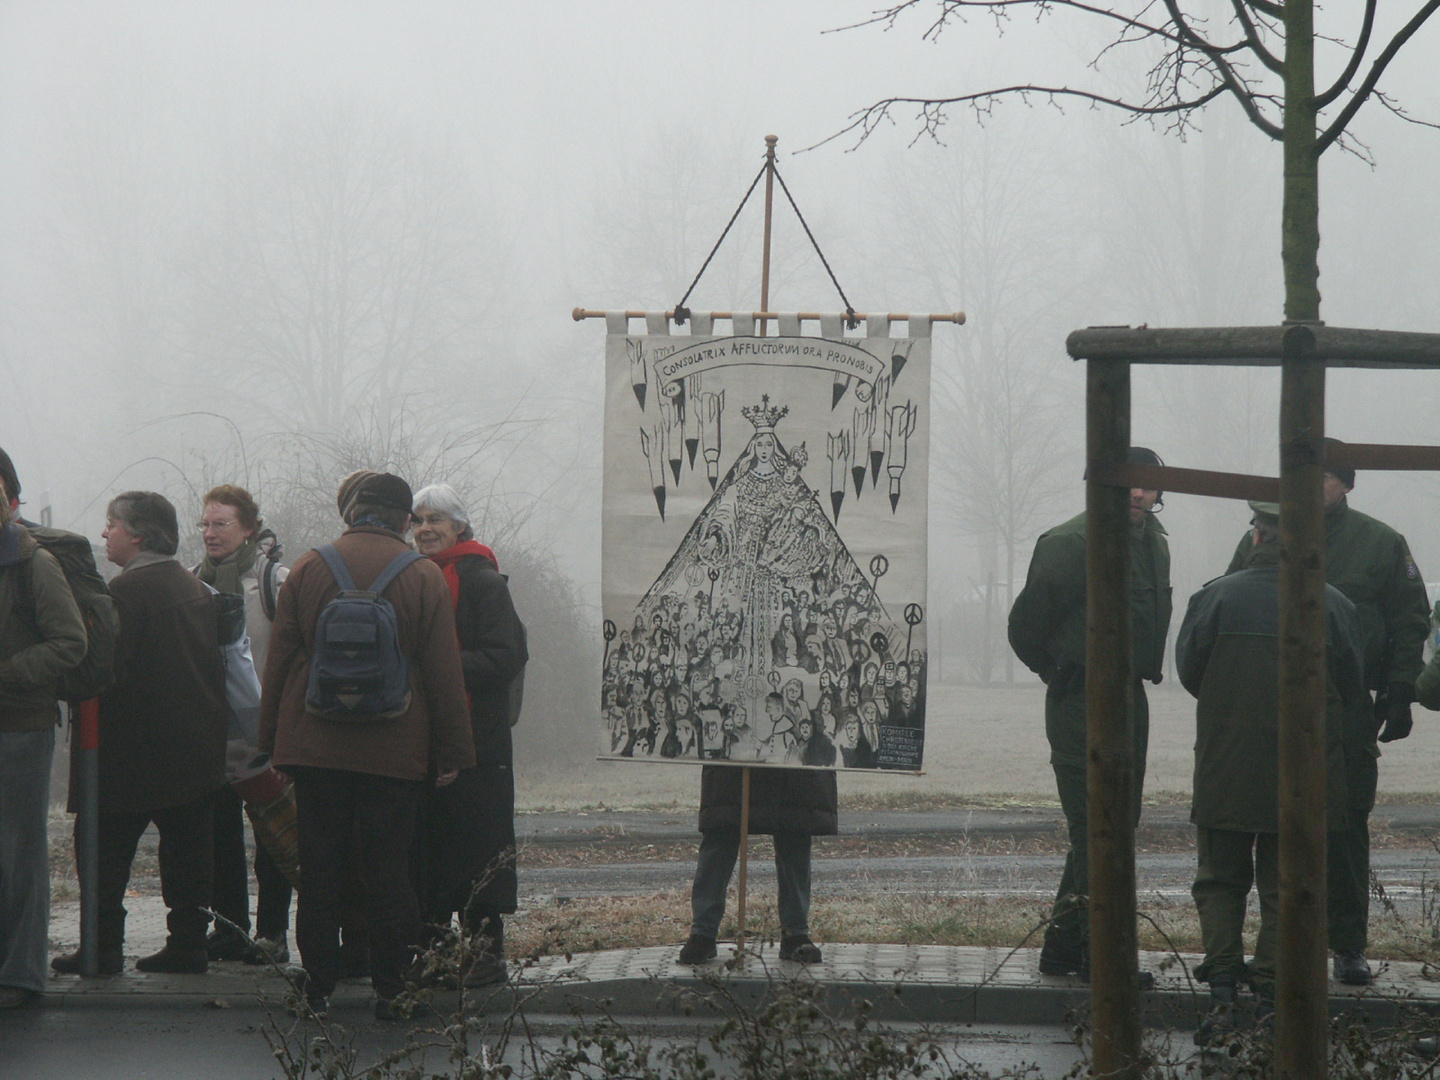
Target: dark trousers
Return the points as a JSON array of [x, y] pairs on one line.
[[1228, 864], [378, 814], [1069, 927], [232, 876], [719, 848], [186, 869], [1348, 859], [464, 859]]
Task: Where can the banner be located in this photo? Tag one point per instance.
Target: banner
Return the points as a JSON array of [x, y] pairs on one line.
[[764, 544]]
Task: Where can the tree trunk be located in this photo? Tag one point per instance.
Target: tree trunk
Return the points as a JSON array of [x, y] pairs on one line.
[[1300, 223]]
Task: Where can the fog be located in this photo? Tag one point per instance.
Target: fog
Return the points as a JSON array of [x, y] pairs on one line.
[[270, 242]]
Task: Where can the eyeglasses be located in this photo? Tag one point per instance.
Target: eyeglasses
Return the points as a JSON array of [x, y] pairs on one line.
[[216, 525]]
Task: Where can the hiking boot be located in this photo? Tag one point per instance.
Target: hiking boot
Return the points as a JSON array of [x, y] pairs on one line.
[[310, 1005], [225, 944], [388, 1009], [487, 971], [268, 950], [1219, 1023], [172, 960], [1352, 969], [800, 948], [1059, 958], [107, 962], [697, 949]]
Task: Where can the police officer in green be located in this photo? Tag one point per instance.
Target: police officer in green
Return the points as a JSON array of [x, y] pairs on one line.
[[1227, 655], [1047, 632], [1371, 564]]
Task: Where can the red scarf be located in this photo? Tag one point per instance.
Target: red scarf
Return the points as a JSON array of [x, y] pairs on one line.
[[447, 559]]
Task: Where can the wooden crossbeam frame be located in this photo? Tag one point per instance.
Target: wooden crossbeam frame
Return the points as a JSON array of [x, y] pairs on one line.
[[1303, 352]]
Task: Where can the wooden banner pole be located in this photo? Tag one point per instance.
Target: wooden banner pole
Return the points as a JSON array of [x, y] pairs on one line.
[[744, 860], [770, 141], [580, 314]]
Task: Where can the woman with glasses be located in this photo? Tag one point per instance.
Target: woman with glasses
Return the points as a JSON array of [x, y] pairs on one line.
[[243, 557]]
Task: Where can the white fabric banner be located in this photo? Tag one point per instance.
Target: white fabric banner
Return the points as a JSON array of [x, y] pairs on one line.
[[765, 547]]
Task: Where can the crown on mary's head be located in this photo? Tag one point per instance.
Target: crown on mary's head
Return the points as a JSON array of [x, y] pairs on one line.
[[763, 416]]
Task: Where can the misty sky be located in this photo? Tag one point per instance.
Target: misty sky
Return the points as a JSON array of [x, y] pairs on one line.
[[588, 154]]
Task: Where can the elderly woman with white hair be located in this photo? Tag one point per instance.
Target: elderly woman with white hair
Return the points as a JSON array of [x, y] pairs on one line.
[[467, 863]]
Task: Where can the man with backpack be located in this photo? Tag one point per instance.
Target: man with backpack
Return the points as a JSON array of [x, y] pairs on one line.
[[41, 637], [363, 695]]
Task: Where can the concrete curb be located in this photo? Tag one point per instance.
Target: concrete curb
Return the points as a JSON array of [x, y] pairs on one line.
[[923, 984]]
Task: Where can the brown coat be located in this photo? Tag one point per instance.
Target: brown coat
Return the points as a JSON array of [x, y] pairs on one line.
[[163, 724], [435, 731]]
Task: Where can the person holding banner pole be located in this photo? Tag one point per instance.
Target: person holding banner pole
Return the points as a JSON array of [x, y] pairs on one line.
[[791, 805]]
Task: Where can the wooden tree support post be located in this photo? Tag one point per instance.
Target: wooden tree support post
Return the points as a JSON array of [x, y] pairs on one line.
[[1301, 1015], [1110, 765]]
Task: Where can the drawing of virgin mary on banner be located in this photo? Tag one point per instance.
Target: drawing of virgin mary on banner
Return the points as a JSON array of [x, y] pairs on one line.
[[765, 545]]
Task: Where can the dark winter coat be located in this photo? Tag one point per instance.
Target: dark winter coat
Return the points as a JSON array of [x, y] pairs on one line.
[[492, 653], [781, 800], [1227, 655], [434, 731], [163, 725], [1047, 622], [42, 634], [1371, 564]]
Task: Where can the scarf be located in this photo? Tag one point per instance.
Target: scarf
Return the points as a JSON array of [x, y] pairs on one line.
[[447, 559], [225, 575]]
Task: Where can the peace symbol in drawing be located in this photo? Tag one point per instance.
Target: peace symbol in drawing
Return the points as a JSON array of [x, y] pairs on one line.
[[914, 614]]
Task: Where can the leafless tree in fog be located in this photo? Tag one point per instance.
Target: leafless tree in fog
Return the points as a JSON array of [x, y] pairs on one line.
[[1259, 54], [347, 264]]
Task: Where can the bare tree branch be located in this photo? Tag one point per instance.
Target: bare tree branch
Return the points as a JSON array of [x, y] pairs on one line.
[[933, 116], [1252, 37], [1364, 91], [1357, 56]]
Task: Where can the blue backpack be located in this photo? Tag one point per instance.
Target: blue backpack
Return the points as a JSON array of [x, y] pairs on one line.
[[358, 673]]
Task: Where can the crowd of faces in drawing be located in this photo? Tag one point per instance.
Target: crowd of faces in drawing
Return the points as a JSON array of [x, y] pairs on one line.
[[765, 544]]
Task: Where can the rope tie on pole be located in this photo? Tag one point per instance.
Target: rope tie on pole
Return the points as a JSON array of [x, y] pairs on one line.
[[851, 322], [682, 313]]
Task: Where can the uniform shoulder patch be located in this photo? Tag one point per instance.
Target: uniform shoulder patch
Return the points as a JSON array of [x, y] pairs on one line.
[[1411, 570]]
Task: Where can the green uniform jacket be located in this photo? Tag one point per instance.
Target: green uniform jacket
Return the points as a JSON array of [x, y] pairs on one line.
[[1227, 655], [42, 635], [1371, 564], [1047, 623]]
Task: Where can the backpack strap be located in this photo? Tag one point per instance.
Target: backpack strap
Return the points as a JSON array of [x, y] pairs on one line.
[[338, 570], [269, 592], [394, 570], [342, 576]]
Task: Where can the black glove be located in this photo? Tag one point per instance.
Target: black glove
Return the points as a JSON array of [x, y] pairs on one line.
[[1392, 711], [1069, 676]]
